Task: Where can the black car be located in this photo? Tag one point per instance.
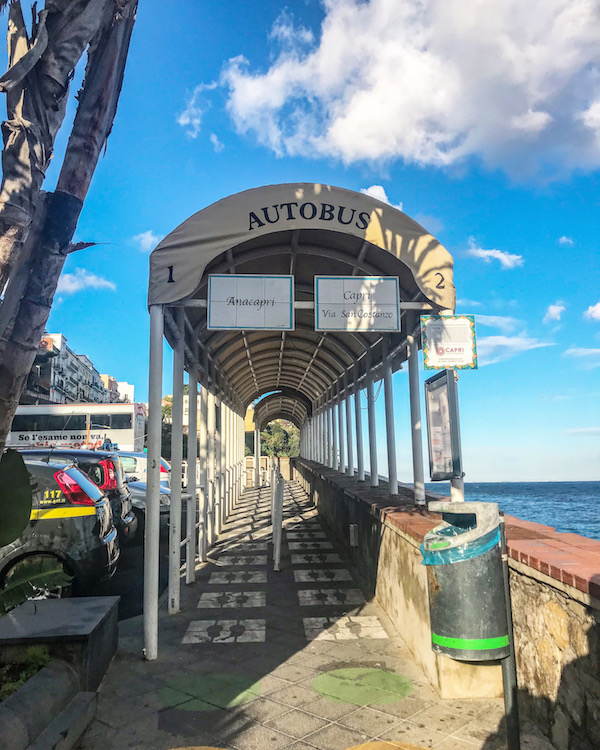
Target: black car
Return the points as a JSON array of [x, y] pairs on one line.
[[106, 470], [70, 523]]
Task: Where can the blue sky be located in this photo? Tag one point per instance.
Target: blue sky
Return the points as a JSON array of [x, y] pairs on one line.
[[486, 129]]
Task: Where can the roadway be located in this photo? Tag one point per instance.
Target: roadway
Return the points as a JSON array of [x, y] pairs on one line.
[[128, 581]]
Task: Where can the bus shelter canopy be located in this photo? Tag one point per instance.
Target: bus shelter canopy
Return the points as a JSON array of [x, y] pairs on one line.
[[302, 230]]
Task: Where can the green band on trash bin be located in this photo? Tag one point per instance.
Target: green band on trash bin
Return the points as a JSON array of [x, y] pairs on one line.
[[470, 644]]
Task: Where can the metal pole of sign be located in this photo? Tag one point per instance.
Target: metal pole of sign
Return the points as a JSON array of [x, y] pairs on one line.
[[192, 453], [152, 518], [415, 413], [372, 426], [176, 458], [457, 483], [360, 459], [509, 666], [277, 520], [342, 465], [348, 399], [389, 419]]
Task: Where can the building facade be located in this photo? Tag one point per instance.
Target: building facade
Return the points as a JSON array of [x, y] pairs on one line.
[[60, 376]]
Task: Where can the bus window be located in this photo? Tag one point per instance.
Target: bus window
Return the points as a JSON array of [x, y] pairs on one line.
[[121, 422], [99, 420]]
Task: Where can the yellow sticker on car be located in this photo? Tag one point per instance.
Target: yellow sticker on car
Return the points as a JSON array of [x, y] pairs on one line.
[[47, 514]]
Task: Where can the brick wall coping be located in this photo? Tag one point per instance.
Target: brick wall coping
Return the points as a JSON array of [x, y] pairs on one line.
[[569, 558]]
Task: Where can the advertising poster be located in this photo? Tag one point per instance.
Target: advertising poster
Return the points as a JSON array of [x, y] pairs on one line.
[[449, 342], [443, 435]]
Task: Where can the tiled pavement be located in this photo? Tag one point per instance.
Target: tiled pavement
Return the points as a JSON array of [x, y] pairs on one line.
[[298, 659]]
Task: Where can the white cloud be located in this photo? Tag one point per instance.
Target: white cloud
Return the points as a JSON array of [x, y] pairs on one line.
[[216, 143], [554, 312], [492, 349], [464, 302], [564, 240], [589, 358], [583, 431], [507, 260], [503, 323], [593, 312], [80, 279], [191, 117], [147, 240], [378, 192], [514, 84]]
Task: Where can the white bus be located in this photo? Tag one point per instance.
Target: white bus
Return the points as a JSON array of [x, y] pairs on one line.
[[91, 426]]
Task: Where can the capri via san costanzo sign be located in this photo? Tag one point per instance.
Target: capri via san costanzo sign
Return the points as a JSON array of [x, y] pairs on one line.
[[357, 303], [250, 302]]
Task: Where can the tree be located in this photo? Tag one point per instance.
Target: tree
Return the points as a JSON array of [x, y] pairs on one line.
[[37, 228], [280, 438]]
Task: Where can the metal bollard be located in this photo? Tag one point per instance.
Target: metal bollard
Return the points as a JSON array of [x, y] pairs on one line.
[[278, 521]]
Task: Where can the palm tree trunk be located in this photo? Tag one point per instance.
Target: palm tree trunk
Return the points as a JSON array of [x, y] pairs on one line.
[[91, 128]]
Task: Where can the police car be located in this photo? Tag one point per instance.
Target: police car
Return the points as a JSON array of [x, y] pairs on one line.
[[68, 521]]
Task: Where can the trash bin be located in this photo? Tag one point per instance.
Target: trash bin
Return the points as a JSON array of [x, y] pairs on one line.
[[466, 585]]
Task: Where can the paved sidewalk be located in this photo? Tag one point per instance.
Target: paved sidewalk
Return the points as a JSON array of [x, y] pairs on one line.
[[298, 659]]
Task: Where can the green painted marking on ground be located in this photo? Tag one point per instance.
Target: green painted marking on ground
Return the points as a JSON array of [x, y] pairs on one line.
[[208, 691], [362, 686], [472, 644]]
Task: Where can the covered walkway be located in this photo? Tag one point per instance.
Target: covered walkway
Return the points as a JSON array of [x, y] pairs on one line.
[[299, 659], [311, 360]]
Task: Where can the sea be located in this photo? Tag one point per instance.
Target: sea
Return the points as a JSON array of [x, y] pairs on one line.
[[566, 506]]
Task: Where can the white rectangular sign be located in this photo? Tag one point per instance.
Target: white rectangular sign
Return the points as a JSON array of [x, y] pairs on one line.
[[357, 303], [449, 342], [247, 302]]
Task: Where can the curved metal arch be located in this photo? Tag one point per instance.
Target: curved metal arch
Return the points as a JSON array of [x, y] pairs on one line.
[[313, 388], [281, 415], [287, 392], [336, 341], [240, 355], [249, 394], [273, 357]]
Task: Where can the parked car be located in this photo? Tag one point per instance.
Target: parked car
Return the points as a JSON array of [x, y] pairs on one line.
[[135, 465], [106, 470], [138, 501], [70, 523]]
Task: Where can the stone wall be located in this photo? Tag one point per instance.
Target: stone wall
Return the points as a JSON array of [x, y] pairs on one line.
[[555, 588], [557, 649]]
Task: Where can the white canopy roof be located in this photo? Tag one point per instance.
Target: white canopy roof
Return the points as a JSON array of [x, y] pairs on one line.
[[178, 262]]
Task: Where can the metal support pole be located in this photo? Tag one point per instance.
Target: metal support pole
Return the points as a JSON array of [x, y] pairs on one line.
[[342, 466], [415, 415], [203, 530], [360, 459], [509, 666], [152, 518], [256, 456], [192, 453], [176, 461], [219, 467], [389, 419], [334, 424], [350, 467], [211, 468], [372, 426]]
